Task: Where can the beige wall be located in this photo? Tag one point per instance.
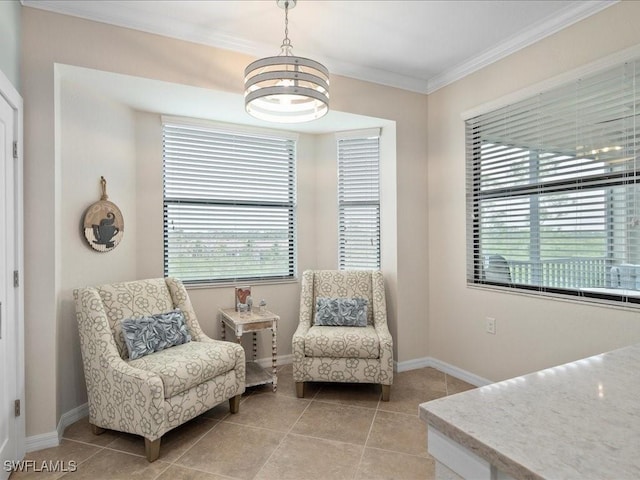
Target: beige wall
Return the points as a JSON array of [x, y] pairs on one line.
[[326, 252], [97, 137], [125, 146], [532, 333], [408, 240], [10, 26], [59, 184]]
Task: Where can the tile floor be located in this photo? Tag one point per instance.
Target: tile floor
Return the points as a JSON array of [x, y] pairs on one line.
[[338, 431]]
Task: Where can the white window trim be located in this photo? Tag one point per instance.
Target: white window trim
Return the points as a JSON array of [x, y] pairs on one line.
[[361, 134], [255, 132], [230, 127], [593, 69], [355, 134], [589, 69]]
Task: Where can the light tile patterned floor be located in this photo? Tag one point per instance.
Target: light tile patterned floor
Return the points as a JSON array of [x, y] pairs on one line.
[[338, 431]]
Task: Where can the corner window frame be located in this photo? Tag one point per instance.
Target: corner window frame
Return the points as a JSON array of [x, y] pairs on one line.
[[602, 181], [358, 154], [233, 189]]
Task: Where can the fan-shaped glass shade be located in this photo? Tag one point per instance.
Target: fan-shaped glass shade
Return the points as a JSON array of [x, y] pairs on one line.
[[286, 89]]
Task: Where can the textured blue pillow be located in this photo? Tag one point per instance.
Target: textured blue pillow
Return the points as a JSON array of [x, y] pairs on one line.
[[145, 335], [341, 312]]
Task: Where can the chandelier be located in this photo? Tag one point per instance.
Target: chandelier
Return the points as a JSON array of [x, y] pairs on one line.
[[286, 88]]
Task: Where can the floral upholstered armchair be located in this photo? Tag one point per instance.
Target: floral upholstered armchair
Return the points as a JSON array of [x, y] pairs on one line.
[[337, 340], [147, 364]]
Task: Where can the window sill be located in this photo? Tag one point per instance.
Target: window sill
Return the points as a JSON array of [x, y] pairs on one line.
[[557, 297], [279, 281]]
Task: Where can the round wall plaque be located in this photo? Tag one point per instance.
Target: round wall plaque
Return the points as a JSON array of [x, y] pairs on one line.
[[103, 223]]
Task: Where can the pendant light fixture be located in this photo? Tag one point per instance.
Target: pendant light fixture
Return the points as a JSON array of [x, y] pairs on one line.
[[286, 88]]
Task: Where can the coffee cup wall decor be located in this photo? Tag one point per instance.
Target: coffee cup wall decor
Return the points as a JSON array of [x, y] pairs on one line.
[[103, 224]]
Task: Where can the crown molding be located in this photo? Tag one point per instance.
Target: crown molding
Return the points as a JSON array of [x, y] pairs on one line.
[[374, 75], [103, 12], [570, 15], [575, 12]]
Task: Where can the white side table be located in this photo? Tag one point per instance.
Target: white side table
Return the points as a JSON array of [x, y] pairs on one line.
[[253, 322]]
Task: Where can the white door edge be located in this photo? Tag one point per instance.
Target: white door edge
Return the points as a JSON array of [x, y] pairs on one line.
[[9, 93]]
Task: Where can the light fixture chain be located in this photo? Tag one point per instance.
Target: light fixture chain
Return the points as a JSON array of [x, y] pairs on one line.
[[286, 43], [286, 21]]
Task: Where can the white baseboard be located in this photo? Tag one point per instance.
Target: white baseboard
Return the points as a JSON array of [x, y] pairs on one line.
[[445, 367], [52, 439], [43, 440], [72, 416], [413, 364]]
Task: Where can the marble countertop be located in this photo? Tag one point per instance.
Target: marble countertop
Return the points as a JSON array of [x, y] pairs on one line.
[[580, 420]]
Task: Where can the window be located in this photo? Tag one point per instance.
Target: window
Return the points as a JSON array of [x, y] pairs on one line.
[[553, 194], [359, 200], [229, 204]]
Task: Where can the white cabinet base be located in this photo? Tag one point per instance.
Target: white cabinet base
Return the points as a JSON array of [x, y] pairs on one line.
[[455, 462]]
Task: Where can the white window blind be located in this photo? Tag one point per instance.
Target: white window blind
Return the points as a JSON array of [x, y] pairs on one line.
[[359, 200], [229, 205], [552, 190]]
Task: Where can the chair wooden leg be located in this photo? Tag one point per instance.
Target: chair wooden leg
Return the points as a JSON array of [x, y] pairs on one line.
[[97, 430], [300, 389], [152, 449], [386, 393], [234, 404]]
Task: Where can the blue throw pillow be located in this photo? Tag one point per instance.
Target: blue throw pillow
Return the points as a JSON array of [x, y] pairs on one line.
[[341, 312], [145, 335]]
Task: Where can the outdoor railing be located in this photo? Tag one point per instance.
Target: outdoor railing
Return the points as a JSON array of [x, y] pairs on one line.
[[561, 273]]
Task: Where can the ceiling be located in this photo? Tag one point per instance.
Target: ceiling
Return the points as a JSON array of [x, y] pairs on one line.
[[414, 45]]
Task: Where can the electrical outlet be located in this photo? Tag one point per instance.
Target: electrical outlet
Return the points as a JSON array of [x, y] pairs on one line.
[[490, 324]]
